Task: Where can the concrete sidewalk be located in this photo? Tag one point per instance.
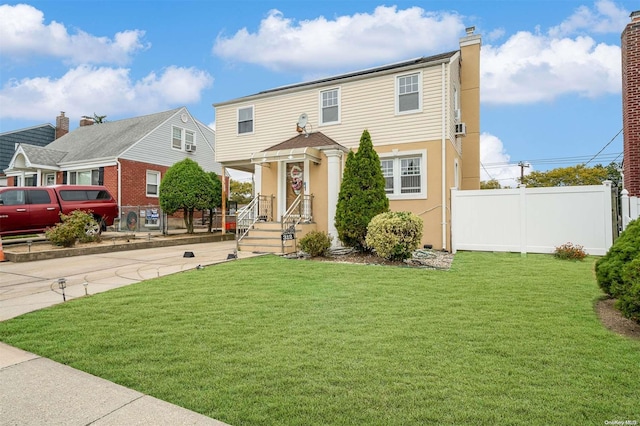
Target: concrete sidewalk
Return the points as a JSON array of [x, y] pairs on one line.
[[36, 390]]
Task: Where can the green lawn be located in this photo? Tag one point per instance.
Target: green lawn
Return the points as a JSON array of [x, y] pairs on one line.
[[498, 339]]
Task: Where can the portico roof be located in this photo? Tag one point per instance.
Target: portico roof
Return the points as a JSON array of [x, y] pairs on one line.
[[305, 146]]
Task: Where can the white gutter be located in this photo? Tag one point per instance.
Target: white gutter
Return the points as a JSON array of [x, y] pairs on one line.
[[119, 194], [443, 148]]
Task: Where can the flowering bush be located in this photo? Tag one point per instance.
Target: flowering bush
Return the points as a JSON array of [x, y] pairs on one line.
[[570, 251]]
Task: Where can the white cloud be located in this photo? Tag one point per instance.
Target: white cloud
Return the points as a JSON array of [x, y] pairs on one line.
[[106, 91], [606, 18], [535, 67], [495, 162], [24, 34], [344, 43]]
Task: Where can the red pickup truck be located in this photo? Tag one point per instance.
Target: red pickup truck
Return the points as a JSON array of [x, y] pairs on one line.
[[33, 209]]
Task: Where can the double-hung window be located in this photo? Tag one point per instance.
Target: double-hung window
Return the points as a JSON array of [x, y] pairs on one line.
[[245, 120], [330, 106], [408, 93], [176, 140], [153, 183], [404, 174], [183, 139]]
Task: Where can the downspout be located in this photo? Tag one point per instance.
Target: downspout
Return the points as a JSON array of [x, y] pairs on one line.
[[119, 194], [443, 146]]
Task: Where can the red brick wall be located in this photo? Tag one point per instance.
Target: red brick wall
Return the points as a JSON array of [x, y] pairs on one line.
[[630, 43], [134, 183]]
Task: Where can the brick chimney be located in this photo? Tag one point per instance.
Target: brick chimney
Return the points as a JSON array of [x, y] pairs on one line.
[[62, 125], [84, 121], [630, 43]]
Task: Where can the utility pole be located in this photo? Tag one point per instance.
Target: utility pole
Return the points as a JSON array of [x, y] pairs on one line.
[[522, 165]]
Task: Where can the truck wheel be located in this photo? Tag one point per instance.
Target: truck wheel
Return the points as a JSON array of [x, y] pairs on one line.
[[94, 227]]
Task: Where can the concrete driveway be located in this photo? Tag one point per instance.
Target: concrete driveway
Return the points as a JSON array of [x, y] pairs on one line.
[[29, 286]]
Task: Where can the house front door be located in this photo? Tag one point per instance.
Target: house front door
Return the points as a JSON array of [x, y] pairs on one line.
[[294, 181]]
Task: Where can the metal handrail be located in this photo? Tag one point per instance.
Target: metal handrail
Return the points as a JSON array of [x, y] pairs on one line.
[[260, 208], [300, 210]]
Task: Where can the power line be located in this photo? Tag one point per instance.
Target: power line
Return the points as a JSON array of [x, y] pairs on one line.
[[603, 148]]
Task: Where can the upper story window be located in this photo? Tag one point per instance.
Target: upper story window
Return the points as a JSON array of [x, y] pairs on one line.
[[408, 93], [183, 139], [330, 106], [176, 140], [245, 120], [404, 174]]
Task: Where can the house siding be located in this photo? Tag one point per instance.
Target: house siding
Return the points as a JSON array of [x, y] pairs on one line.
[[39, 136], [368, 103], [158, 145]]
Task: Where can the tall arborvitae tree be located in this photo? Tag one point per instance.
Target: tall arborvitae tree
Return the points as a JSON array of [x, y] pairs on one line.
[[362, 194]]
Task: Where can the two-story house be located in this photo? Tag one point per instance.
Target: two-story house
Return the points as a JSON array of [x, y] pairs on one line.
[[423, 117], [128, 156]]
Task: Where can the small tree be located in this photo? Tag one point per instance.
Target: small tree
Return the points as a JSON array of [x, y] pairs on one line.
[[186, 187], [240, 191], [362, 195]]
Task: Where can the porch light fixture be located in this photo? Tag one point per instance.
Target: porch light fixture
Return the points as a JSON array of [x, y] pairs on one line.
[[62, 284]]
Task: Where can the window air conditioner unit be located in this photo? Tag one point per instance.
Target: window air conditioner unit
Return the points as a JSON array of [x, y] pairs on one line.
[[189, 147], [461, 129], [456, 115]]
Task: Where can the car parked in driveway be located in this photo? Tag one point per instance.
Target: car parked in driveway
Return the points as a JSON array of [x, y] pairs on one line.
[[35, 208]]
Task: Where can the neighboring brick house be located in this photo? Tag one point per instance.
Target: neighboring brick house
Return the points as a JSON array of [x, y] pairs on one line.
[[40, 135], [630, 44], [128, 156], [423, 116]]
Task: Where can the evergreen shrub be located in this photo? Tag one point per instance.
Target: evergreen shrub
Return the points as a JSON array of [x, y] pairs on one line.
[[394, 235], [629, 300], [362, 194], [624, 250], [316, 243]]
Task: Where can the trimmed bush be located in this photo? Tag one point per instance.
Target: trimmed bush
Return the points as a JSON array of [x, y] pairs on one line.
[[570, 251], [629, 300], [394, 235], [77, 226], [316, 243], [624, 250]]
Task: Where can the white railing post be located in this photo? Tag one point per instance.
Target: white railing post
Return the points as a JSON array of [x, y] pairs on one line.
[[626, 211]]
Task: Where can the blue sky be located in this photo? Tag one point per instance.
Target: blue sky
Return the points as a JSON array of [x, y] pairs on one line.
[[550, 70]]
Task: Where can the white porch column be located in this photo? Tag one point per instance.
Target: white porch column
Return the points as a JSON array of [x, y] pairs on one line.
[[334, 177]]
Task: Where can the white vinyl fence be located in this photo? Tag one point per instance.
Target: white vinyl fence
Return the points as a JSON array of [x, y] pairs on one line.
[[532, 220], [630, 208]]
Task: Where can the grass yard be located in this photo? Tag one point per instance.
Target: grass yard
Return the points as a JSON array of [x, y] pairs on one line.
[[498, 339]]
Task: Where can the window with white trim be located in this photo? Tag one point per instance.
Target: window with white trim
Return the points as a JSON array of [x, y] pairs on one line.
[[330, 106], [153, 183], [176, 140], [182, 137], [404, 174], [408, 93], [50, 179], [245, 120], [84, 177]]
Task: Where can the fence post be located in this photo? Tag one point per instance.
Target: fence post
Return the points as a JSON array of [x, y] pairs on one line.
[[523, 219], [608, 220], [626, 213]]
